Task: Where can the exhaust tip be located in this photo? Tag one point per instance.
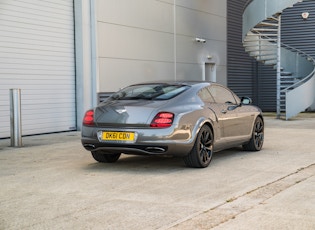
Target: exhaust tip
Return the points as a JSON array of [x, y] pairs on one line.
[[89, 146], [155, 149]]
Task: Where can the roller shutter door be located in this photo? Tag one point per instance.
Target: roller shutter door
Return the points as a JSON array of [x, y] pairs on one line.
[[37, 56]]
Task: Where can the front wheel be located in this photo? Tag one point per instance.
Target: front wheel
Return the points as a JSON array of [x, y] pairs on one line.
[[257, 139], [201, 154], [105, 157]]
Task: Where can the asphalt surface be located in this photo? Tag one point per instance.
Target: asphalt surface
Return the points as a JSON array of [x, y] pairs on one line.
[[53, 183]]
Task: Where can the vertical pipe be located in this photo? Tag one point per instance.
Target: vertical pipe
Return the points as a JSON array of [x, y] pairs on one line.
[[175, 42], [15, 117], [94, 55], [279, 69]]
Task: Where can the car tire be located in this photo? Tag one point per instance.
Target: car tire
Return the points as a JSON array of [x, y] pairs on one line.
[[105, 157], [201, 154], [257, 139]]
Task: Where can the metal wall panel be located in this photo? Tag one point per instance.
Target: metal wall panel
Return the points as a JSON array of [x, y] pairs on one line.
[[245, 75], [297, 32], [37, 56]]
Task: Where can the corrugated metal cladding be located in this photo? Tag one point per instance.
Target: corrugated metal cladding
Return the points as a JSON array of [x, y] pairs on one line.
[[246, 76], [37, 56], [297, 32]]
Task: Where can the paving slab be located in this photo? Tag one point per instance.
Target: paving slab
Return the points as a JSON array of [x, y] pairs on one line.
[[53, 183]]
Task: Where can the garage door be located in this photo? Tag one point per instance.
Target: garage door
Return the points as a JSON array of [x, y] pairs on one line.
[[37, 56]]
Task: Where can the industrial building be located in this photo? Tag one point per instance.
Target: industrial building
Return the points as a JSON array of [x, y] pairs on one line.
[[66, 55]]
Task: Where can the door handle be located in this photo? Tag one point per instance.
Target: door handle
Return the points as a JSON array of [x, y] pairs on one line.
[[223, 111]]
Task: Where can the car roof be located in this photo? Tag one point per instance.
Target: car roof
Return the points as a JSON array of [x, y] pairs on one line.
[[191, 83]]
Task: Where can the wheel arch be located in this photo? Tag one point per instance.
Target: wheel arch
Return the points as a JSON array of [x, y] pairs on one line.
[[261, 117], [201, 122]]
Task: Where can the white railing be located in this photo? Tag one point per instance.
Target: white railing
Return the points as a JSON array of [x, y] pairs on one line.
[[267, 8], [301, 95]]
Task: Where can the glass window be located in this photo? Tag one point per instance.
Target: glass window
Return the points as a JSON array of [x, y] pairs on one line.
[[222, 95], [205, 95], [149, 92]]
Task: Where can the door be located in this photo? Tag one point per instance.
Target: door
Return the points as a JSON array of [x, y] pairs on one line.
[[37, 56], [210, 72], [227, 112]]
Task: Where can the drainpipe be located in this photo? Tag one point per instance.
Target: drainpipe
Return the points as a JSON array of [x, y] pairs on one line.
[[279, 68], [175, 42], [94, 58]]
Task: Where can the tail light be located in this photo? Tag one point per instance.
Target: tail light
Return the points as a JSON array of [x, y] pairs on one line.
[[162, 120], [89, 118]]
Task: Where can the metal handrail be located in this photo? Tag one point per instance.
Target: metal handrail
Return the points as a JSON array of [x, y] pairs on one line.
[[303, 80], [246, 4], [298, 51], [288, 47]]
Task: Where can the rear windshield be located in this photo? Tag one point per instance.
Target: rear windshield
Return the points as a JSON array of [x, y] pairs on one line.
[[149, 92]]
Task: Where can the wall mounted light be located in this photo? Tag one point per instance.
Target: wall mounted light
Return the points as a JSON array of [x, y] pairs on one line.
[[305, 15], [201, 40]]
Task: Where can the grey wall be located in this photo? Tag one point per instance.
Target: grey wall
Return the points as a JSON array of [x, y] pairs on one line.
[[143, 40], [297, 32]]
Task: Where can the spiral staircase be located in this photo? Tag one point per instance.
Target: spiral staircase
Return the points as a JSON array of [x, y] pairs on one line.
[[262, 40]]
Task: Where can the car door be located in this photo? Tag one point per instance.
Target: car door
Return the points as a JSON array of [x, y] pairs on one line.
[[213, 108], [246, 116], [227, 108]]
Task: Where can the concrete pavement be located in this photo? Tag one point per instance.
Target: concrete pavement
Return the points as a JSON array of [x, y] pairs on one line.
[[53, 183]]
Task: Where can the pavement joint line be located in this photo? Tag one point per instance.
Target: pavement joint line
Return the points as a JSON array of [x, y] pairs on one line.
[[235, 206]]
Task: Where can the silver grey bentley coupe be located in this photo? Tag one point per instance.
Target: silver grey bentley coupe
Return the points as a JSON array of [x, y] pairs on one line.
[[187, 119]]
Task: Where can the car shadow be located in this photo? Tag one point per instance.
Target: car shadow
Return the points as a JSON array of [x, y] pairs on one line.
[[228, 153], [133, 163], [159, 164]]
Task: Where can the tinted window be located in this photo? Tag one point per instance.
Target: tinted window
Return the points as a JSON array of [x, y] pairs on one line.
[[149, 92], [205, 95], [222, 95]]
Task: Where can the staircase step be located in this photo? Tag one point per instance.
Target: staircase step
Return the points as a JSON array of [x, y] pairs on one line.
[[274, 18], [270, 62], [263, 29], [262, 48], [265, 37], [265, 23], [256, 45], [288, 77], [266, 58], [287, 83], [283, 73]]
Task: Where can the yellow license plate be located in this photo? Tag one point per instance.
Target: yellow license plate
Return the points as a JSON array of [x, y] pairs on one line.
[[118, 136]]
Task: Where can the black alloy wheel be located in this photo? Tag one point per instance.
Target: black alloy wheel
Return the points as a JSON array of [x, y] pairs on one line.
[[105, 157], [201, 154], [257, 140]]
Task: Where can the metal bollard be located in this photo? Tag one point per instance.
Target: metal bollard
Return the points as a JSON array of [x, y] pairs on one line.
[[15, 117]]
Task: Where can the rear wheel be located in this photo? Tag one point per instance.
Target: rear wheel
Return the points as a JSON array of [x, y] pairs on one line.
[[105, 157], [257, 140], [201, 154]]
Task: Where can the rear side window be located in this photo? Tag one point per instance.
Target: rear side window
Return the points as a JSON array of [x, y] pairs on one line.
[[149, 92], [222, 95], [205, 95]]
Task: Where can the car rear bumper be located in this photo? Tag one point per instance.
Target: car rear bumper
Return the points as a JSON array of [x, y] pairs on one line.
[[163, 148]]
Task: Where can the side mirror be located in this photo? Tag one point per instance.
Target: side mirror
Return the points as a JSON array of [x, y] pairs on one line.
[[246, 101]]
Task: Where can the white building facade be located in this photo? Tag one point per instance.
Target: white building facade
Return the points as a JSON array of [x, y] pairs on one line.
[[63, 53]]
